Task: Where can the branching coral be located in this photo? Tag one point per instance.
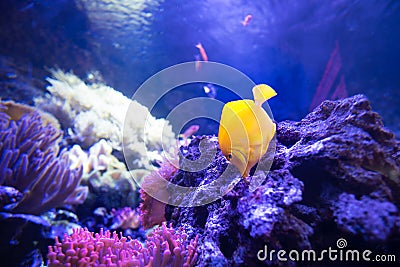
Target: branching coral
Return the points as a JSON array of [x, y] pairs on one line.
[[92, 112], [164, 247], [30, 162]]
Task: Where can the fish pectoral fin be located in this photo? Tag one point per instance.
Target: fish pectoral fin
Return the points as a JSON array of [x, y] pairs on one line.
[[240, 160], [246, 173]]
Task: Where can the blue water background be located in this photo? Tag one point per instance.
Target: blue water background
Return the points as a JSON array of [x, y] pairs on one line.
[[287, 44]]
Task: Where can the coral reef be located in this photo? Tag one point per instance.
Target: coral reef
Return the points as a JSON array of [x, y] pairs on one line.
[[164, 247], [371, 219], [9, 195], [125, 218], [110, 191], [99, 158], [32, 164], [335, 175], [61, 221], [91, 112], [16, 110], [152, 211], [110, 183]]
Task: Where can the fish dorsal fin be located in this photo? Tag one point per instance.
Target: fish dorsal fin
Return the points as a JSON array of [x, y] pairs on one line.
[[262, 93]]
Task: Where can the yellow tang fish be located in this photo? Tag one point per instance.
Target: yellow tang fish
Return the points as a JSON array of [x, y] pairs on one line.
[[245, 129]]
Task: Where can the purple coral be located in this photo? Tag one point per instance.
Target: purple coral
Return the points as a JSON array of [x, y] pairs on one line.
[[164, 247], [29, 162]]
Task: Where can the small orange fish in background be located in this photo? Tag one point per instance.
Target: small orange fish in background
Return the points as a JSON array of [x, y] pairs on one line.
[[197, 63], [247, 20], [202, 52], [189, 133]]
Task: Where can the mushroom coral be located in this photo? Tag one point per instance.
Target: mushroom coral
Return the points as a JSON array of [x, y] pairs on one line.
[[31, 163]]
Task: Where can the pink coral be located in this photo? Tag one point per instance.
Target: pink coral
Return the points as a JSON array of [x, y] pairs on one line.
[[164, 247], [153, 210]]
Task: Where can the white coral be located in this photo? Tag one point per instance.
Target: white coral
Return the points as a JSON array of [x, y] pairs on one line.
[[99, 158], [91, 112]]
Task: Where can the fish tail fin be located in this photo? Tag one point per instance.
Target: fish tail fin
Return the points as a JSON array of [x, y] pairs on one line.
[[262, 93]]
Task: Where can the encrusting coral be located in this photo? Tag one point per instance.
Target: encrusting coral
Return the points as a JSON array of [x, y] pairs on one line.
[[30, 162], [90, 112], [164, 247]]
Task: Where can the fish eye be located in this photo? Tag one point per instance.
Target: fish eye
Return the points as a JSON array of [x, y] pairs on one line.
[[229, 156]]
